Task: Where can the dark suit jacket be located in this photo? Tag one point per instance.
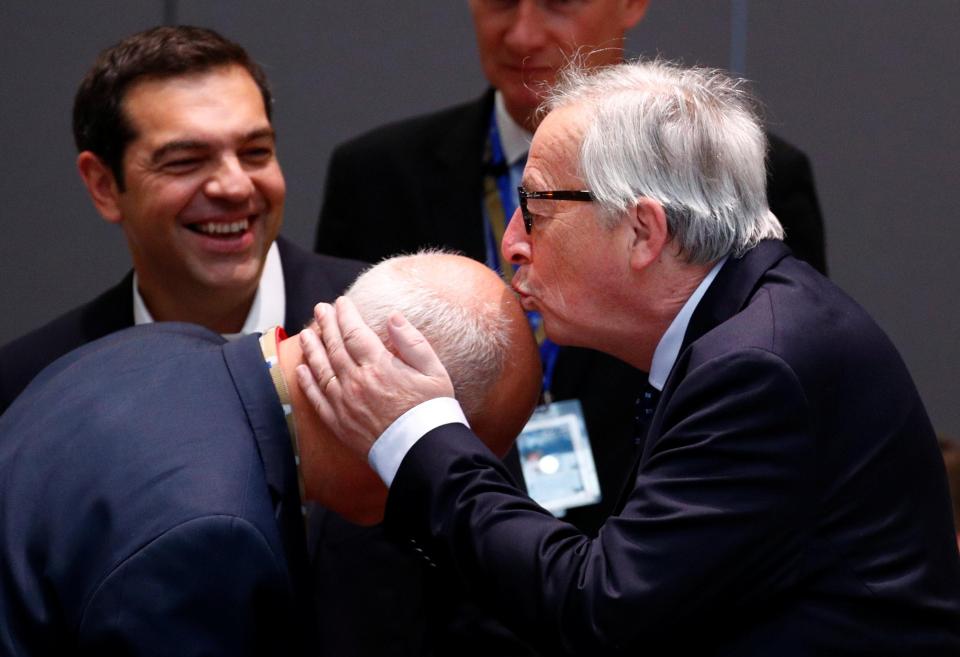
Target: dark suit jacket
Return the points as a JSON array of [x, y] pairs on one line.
[[307, 278], [419, 183], [429, 184], [150, 504], [789, 498]]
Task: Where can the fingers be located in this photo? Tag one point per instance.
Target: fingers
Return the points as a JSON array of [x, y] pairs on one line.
[[315, 374], [347, 338], [413, 348], [316, 357]]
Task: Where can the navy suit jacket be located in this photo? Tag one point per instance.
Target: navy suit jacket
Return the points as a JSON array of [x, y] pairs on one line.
[[430, 169], [789, 499], [150, 504], [307, 279]]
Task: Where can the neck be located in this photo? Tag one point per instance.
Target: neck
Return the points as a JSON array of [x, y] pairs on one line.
[[306, 422], [221, 311], [669, 286], [523, 116]]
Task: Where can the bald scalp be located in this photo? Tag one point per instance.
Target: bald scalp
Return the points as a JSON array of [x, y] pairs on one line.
[[475, 325]]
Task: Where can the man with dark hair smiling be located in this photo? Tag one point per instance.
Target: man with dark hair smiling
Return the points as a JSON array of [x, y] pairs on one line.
[[176, 146]]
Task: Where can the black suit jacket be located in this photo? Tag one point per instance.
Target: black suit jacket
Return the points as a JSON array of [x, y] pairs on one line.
[[789, 498], [307, 279], [150, 504]]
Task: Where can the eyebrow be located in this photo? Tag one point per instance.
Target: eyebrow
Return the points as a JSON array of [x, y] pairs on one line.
[[198, 144]]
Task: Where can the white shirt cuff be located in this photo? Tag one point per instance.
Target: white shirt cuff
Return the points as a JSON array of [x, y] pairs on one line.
[[393, 444]]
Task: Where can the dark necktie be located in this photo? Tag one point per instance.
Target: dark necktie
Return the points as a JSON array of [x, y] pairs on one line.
[[645, 406]]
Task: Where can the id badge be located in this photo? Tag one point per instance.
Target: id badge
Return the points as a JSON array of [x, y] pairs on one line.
[[556, 459]]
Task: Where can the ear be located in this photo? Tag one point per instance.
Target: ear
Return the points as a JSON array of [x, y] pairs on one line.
[[101, 185], [635, 11], [649, 234]]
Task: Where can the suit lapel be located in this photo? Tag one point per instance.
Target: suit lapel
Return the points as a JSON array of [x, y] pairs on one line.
[[729, 293], [298, 284], [112, 311], [456, 180], [244, 359], [732, 288]]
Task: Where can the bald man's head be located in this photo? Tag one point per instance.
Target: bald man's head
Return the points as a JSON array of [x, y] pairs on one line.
[[480, 333]]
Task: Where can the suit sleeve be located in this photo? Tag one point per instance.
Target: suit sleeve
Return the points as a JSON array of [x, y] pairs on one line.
[[714, 523], [211, 586]]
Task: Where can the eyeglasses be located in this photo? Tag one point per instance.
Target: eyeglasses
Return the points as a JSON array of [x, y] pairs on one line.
[[563, 195]]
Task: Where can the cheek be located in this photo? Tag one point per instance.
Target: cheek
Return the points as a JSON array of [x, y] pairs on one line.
[[272, 185], [172, 198]]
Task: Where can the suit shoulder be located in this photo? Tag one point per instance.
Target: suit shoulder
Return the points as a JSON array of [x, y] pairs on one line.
[[809, 322], [309, 278], [415, 132], [784, 154], [23, 358], [300, 262]]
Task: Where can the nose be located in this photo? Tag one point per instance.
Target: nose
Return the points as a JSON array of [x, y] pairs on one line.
[[526, 33], [515, 246], [230, 181]]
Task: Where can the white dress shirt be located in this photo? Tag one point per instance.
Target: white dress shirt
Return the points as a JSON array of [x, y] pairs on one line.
[[392, 446], [269, 306]]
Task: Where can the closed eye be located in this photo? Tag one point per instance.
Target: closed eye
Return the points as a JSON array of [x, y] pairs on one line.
[[182, 164], [257, 154]]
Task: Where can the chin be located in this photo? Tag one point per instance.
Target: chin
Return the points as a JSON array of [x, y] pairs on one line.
[[232, 276]]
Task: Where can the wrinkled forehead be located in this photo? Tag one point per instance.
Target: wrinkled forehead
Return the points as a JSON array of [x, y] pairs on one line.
[[554, 160]]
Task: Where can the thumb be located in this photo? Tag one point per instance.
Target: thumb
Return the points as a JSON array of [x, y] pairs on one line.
[[413, 348]]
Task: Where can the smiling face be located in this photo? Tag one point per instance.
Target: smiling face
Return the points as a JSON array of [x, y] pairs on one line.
[[203, 199], [524, 43]]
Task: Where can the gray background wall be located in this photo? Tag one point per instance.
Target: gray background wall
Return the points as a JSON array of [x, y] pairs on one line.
[[868, 88]]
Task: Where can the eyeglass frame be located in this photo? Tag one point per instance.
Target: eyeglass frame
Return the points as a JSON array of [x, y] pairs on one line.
[[555, 195]]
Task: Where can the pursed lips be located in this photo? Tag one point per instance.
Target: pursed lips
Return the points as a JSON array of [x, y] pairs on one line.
[[525, 296]]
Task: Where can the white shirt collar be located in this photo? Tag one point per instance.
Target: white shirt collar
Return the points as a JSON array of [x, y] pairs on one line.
[[269, 303], [514, 139], [668, 349]]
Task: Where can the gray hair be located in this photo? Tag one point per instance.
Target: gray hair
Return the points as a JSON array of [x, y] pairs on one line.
[[690, 138], [470, 336]]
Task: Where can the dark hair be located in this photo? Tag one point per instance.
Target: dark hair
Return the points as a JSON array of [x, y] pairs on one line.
[[99, 124]]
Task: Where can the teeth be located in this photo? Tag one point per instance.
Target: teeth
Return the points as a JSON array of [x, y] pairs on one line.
[[221, 228]]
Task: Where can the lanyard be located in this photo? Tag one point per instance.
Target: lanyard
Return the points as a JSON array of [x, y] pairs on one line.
[[499, 198], [500, 203]]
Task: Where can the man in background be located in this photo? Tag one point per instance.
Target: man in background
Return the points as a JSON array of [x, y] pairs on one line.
[[176, 147], [153, 481]]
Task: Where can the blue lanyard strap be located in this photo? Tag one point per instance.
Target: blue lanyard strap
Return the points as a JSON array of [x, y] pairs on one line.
[[500, 202]]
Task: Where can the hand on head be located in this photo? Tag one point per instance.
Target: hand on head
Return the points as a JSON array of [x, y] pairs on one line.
[[359, 387]]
